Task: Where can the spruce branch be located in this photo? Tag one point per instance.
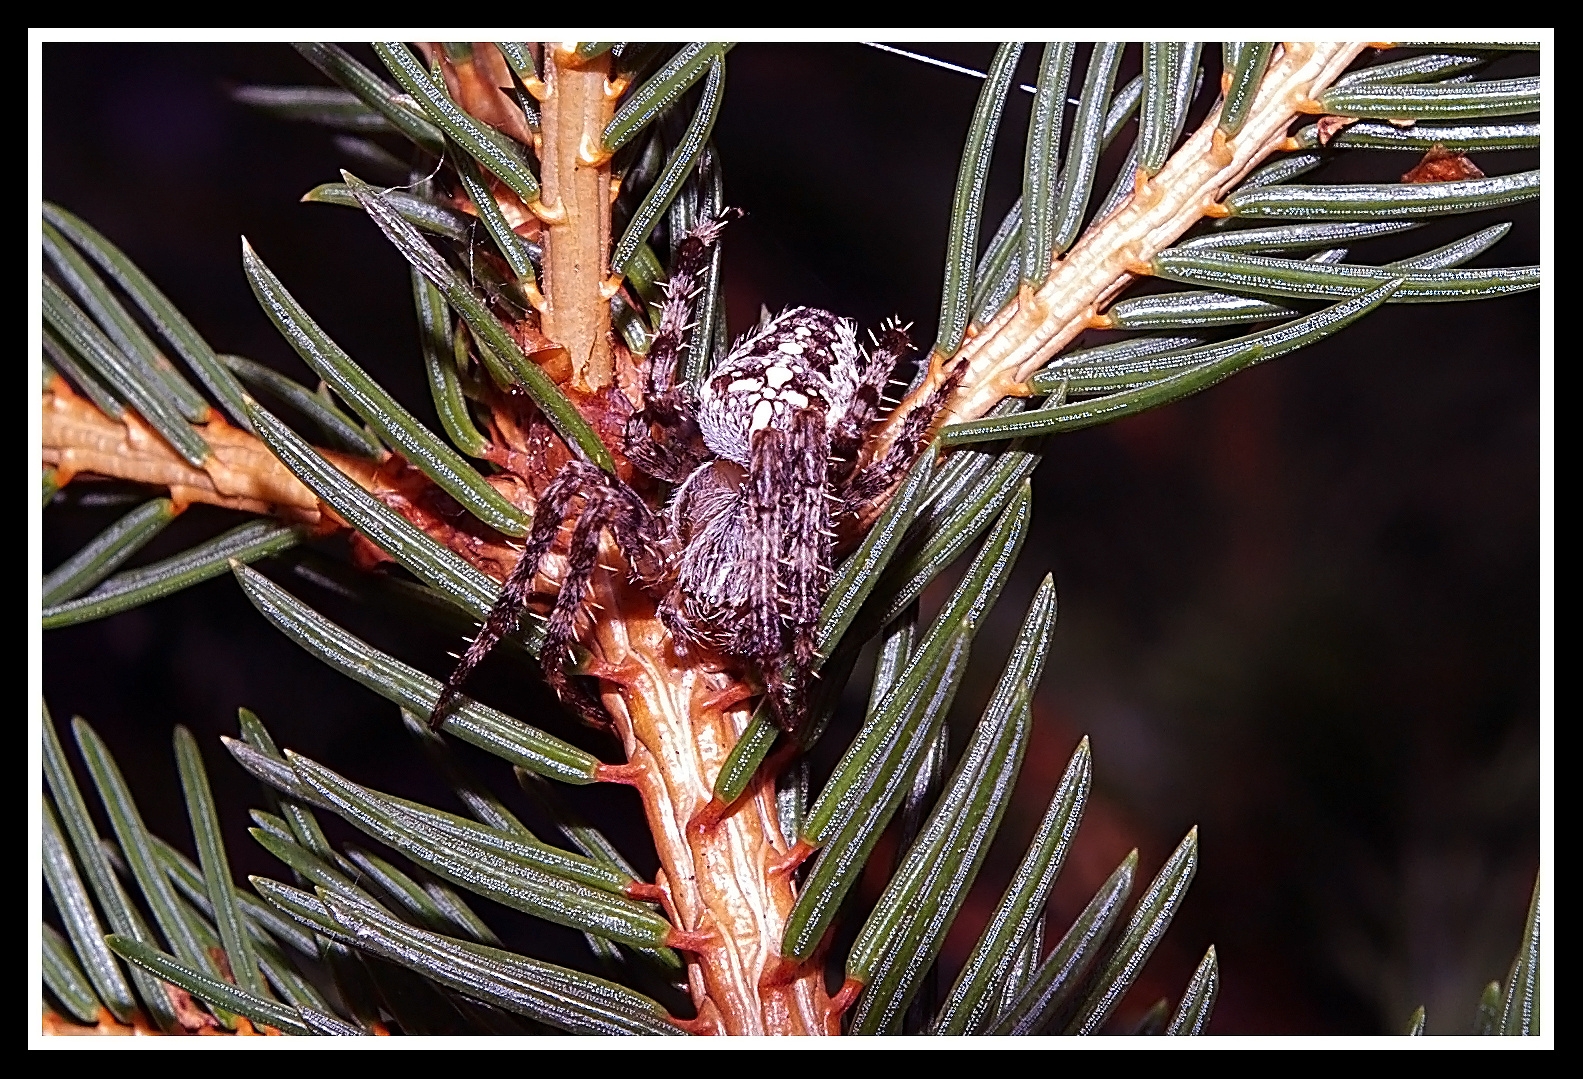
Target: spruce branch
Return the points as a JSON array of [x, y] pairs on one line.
[[529, 372], [1020, 339]]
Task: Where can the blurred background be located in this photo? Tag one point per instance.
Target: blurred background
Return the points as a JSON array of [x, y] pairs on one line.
[[1299, 610]]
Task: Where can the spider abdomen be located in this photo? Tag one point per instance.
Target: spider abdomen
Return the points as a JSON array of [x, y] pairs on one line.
[[801, 359]]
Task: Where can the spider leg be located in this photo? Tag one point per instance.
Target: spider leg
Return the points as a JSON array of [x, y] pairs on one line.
[[506, 614], [607, 503], [805, 542], [759, 633], [665, 406], [670, 337], [790, 512], [560, 632], [640, 535], [878, 476], [680, 451], [846, 437]]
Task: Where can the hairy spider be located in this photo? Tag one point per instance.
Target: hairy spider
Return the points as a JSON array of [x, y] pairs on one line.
[[764, 462]]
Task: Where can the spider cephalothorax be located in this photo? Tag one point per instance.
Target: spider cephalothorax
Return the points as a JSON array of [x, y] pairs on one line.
[[764, 462]]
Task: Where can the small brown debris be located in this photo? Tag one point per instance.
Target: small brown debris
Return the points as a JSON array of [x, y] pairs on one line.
[[1441, 165], [1330, 126], [192, 1018], [223, 962]]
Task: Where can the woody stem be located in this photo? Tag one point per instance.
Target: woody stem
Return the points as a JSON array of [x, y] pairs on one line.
[[1014, 344], [576, 211]]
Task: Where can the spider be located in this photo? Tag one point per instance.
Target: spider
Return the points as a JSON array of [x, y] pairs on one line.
[[763, 459]]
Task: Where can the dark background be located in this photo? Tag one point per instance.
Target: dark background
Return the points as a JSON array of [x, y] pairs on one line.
[[1299, 610]]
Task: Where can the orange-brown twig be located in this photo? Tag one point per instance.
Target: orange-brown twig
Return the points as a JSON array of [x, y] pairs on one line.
[[1024, 336]]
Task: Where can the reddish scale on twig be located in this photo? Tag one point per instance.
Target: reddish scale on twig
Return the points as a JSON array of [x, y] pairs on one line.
[[1440, 165], [627, 774], [692, 940], [648, 893], [840, 1003], [800, 852], [697, 1027], [709, 817], [781, 971]]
